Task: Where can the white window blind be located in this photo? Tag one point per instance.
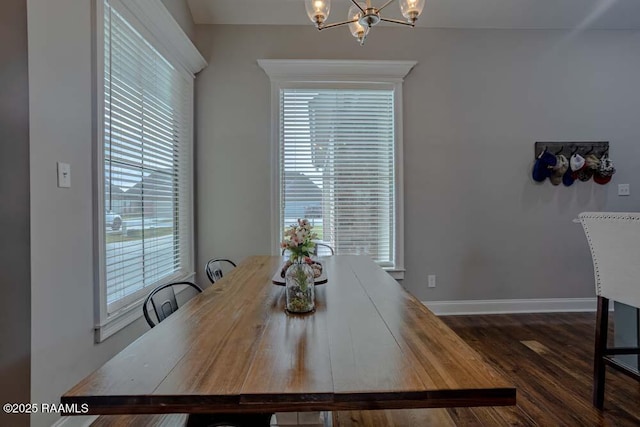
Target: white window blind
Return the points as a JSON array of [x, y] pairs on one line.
[[147, 165], [337, 167]]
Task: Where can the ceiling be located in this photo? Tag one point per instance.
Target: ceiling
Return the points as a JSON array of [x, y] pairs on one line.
[[515, 14]]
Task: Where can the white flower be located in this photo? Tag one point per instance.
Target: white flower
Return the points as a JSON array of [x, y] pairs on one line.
[[298, 238]]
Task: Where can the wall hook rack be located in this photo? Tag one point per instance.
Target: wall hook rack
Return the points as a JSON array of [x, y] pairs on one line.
[[568, 148]]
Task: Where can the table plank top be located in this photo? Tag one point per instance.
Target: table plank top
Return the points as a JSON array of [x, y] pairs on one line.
[[233, 348]]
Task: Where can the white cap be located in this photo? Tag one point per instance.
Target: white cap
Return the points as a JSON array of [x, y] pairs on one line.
[[577, 162]]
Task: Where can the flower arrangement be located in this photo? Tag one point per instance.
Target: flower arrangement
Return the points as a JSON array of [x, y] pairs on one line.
[[298, 240]]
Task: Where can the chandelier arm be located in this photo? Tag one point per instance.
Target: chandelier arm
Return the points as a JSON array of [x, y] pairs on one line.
[[397, 21], [385, 5], [337, 24], [358, 5]]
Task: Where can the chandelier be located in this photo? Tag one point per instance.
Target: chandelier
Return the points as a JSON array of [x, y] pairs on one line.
[[362, 16]]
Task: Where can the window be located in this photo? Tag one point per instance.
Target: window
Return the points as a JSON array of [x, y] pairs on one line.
[[338, 151], [337, 167], [145, 163]]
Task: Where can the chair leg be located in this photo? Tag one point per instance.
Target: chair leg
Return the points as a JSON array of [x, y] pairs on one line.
[[235, 420], [638, 334], [602, 325]]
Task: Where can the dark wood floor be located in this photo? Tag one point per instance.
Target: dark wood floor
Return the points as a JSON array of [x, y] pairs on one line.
[[548, 357]]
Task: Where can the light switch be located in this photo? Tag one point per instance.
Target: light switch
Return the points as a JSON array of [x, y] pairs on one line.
[[64, 175]]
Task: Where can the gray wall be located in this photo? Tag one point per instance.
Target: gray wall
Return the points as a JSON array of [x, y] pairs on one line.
[[182, 14], [473, 108], [627, 325], [15, 283], [62, 298]]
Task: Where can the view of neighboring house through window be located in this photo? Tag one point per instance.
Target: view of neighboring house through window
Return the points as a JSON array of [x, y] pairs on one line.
[[147, 164], [337, 167]]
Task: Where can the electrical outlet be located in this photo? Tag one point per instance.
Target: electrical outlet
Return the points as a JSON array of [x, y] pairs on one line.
[[623, 190], [431, 280]]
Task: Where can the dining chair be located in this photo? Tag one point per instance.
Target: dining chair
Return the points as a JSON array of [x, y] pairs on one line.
[[163, 300], [320, 249], [614, 241], [215, 268]]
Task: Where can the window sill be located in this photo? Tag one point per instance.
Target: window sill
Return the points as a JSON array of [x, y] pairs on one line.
[[125, 316], [396, 273], [119, 320]]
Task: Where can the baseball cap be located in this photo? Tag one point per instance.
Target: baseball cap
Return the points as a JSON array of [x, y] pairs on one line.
[[577, 162], [567, 178], [543, 166], [591, 164], [605, 171], [558, 171]]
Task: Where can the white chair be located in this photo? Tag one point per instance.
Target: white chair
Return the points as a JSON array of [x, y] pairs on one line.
[[614, 240]]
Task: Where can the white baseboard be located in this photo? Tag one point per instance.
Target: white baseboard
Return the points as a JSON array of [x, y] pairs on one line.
[[81, 421], [505, 306]]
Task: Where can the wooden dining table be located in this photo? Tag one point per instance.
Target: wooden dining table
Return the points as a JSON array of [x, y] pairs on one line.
[[234, 349]]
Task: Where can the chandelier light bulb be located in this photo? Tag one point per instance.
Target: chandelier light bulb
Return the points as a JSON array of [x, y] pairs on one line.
[[318, 11], [357, 30], [411, 9]]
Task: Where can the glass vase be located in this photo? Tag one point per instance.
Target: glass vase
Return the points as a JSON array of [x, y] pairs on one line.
[[300, 290]]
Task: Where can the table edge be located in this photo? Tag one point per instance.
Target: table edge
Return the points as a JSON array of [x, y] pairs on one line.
[[163, 404]]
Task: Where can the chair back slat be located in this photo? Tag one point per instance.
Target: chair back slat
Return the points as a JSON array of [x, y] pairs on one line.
[[164, 303], [614, 240]]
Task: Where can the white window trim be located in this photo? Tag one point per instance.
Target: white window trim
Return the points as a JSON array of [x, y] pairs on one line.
[[292, 73], [158, 27]]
